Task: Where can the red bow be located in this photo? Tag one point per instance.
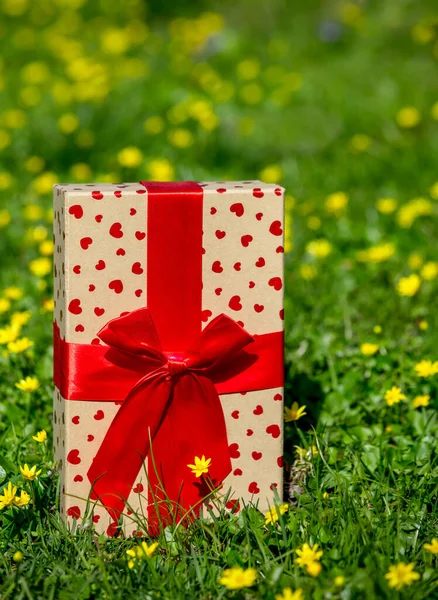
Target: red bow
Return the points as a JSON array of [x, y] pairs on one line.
[[175, 398]]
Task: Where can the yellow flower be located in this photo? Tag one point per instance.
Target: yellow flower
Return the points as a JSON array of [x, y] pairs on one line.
[[432, 547], [386, 206], [37, 234], [29, 473], [68, 123], [81, 172], [17, 556], [408, 117], [181, 138], [20, 318], [339, 581], [8, 334], [154, 125], [248, 68], [13, 293], [237, 578], [251, 93], [15, 119], [415, 261], [140, 552], [161, 169], [429, 271], [388, 428], [336, 203], [314, 569], [360, 142], [409, 286], [325, 496], [5, 217], [401, 574], [418, 207], [275, 512], [40, 267], [369, 349], [313, 223], [423, 325], [271, 174], [44, 183], [201, 466], [20, 345], [288, 594], [130, 157], [377, 329], [32, 212], [394, 396], [421, 401], [6, 180], [30, 384], [22, 500], [308, 272], [434, 189], [40, 437], [5, 139], [319, 248], [46, 248], [307, 555], [376, 254], [48, 305], [8, 496], [426, 368], [294, 413], [34, 164], [5, 305]]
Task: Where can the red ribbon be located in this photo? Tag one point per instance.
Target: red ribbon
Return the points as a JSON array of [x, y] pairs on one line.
[[167, 372]]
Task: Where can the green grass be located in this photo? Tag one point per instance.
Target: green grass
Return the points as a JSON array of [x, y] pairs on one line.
[[368, 494]]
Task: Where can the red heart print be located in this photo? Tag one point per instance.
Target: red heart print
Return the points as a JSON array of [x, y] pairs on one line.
[[237, 266], [235, 414], [260, 262], [258, 308], [220, 234], [237, 472], [99, 311], [205, 314], [242, 324], [235, 303], [120, 252], [78, 478], [281, 314], [116, 285], [273, 430], [259, 216], [276, 283], [221, 190], [116, 230], [249, 432], [140, 191], [278, 191], [98, 218], [233, 505], [280, 250], [251, 285], [91, 287], [100, 265], [74, 511], [132, 211], [77, 211], [213, 210], [77, 269], [75, 420], [237, 209], [137, 269], [75, 306], [257, 193], [280, 461], [233, 450], [90, 438], [253, 488], [218, 291], [257, 455], [278, 397], [138, 488], [138, 293], [118, 194], [258, 410], [140, 235], [95, 341], [79, 328], [99, 415], [112, 529], [216, 267], [96, 517], [275, 228], [86, 242], [97, 195], [246, 240], [273, 486], [73, 457]]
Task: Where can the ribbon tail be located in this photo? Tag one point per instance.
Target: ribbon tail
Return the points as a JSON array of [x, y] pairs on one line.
[[126, 445], [194, 426]]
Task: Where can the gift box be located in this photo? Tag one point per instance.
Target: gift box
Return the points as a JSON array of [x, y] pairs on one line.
[[168, 345]]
